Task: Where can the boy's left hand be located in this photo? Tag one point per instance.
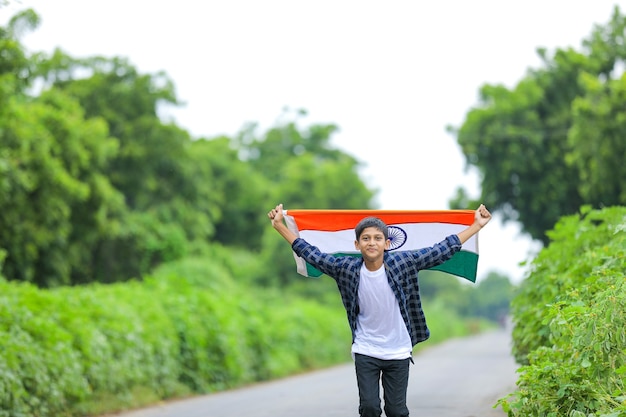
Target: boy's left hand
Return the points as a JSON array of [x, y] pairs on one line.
[[482, 215]]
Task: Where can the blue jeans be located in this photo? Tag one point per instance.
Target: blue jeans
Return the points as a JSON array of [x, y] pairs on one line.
[[395, 379]]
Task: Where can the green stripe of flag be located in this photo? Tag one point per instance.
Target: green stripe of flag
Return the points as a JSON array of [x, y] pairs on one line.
[[462, 264]]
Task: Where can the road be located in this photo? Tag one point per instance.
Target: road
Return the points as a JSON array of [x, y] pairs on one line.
[[458, 378]]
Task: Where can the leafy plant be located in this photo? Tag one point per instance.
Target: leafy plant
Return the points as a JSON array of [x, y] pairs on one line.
[[569, 321]]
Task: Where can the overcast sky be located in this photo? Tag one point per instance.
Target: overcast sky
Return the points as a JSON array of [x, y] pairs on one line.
[[392, 75]]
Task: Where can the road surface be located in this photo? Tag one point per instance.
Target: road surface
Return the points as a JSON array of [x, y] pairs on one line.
[[458, 378]]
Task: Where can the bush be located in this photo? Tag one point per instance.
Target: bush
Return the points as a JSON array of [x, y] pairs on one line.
[[67, 348], [188, 329], [569, 321], [103, 348]]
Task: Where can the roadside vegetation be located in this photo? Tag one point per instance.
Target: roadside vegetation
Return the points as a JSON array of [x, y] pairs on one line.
[[569, 318], [188, 329], [137, 263]]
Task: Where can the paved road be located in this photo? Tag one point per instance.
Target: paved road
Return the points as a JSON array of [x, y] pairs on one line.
[[458, 378]]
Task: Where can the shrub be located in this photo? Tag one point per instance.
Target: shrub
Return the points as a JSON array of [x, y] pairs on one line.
[[569, 321]]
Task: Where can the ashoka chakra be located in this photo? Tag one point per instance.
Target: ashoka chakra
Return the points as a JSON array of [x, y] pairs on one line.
[[397, 237]]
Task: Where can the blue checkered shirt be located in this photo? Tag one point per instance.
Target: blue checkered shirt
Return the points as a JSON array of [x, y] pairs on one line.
[[401, 267]]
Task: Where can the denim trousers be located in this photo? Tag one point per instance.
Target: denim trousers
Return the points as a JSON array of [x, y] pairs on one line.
[[395, 379]]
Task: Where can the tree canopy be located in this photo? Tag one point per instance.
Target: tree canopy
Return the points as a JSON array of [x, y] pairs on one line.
[[555, 141], [95, 186]]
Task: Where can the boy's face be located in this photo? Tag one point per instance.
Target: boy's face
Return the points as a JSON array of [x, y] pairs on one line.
[[372, 244]]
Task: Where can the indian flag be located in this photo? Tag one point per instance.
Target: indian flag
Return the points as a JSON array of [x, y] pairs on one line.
[[332, 231]]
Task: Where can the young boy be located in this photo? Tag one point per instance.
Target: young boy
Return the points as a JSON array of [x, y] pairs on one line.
[[380, 292]]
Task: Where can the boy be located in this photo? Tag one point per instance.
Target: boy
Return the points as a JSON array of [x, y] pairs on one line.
[[380, 293]]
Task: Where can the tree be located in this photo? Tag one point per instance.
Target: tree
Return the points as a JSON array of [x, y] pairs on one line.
[[531, 143], [98, 187], [16, 70], [596, 141], [303, 170], [52, 159], [170, 205], [491, 298], [239, 195]]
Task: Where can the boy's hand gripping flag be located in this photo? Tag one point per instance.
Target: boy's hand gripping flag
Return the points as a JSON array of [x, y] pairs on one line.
[[332, 231]]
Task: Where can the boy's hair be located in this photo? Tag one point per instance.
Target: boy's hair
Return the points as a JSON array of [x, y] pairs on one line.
[[371, 222]]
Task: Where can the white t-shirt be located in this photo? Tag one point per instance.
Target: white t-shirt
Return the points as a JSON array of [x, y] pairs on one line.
[[380, 331]]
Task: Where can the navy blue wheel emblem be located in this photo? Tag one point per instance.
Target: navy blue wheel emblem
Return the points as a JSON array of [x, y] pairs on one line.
[[397, 237]]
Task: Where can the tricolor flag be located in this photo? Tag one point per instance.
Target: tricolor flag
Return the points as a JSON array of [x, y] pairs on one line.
[[332, 231]]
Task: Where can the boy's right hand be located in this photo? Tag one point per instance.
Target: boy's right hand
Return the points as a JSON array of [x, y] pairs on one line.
[[276, 215]]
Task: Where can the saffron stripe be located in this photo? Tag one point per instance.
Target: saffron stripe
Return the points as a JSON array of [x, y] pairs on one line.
[[333, 220]]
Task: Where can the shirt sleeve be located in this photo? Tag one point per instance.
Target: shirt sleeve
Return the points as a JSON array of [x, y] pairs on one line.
[[437, 254], [326, 263]]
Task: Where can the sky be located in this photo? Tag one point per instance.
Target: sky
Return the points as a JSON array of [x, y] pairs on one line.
[[391, 75]]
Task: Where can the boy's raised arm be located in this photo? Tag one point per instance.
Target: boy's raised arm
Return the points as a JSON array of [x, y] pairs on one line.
[[481, 218], [276, 216]]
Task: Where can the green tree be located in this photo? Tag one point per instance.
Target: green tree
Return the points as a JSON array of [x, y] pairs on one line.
[[491, 298], [16, 69], [596, 141], [287, 141], [52, 159], [169, 200], [533, 144], [239, 194], [304, 171], [437, 284], [309, 183], [114, 190]]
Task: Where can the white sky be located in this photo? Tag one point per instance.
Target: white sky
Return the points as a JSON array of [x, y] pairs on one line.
[[392, 75]]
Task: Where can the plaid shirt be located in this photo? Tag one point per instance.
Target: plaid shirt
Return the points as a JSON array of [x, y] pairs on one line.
[[401, 267]]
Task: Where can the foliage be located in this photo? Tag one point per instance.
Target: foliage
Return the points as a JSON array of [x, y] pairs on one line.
[[168, 201], [445, 322], [190, 328], [72, 351], [569, 318], [596, 138], [94, 186], [488, 299], [62, 348], [16, 70], [51, 162], [238, 193], [302, 165], [558, 133], [304, 171]]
